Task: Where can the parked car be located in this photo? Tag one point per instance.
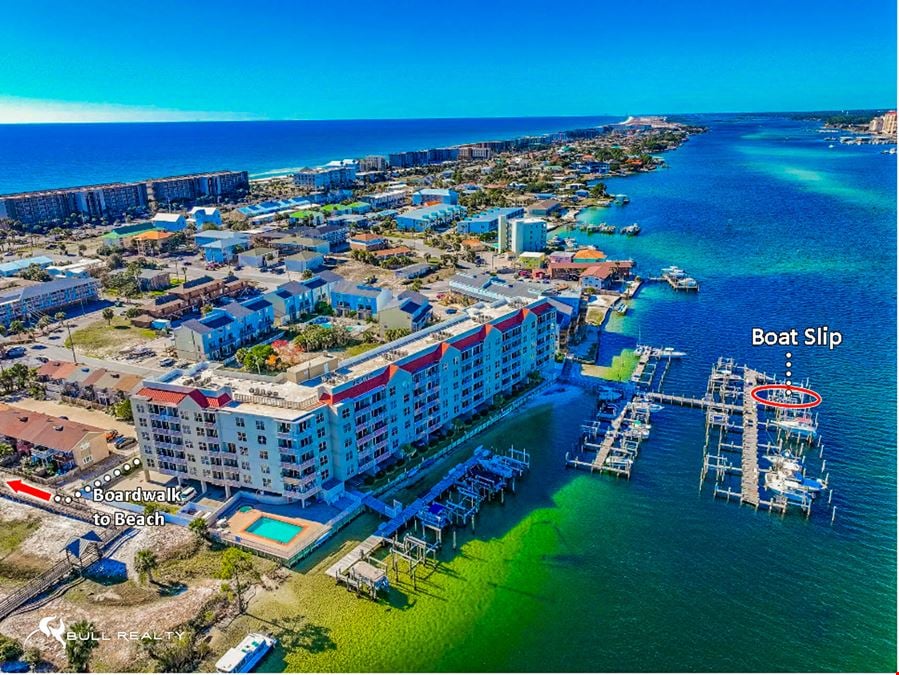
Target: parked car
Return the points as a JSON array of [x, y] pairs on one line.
[[125, 442], [186, 494], [167, 362], [14, 352], [111, 435]]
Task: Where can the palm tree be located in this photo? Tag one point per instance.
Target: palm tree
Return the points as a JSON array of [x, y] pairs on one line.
[[144, 564], [108, 314], [79, 647], [199, 527]]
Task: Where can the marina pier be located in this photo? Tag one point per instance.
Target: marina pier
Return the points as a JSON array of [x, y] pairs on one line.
[[453, 502]]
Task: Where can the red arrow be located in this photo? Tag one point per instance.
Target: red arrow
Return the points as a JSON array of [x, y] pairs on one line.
[[19, 486]]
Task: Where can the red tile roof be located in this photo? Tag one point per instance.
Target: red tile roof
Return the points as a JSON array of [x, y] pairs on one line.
[[175, 397], [42, 430]]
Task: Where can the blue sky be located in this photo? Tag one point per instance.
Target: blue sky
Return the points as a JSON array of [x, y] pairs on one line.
[[267, 59]]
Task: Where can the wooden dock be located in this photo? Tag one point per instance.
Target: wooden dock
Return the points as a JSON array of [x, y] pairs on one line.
[[749, 476], [637, 375], [360, 552], [692, 402]]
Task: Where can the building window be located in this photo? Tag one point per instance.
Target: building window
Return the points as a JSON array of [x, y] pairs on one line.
[[261, 440], [260, 425], [241, 436], [239, 422], [263, 454]]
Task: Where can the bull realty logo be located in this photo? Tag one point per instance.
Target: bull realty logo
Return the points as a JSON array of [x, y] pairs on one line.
[[59, 633], [48, 629]]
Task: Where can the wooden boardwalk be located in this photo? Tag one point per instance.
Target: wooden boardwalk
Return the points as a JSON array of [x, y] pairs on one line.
[[749, 476], [691, 402], [358, 553]]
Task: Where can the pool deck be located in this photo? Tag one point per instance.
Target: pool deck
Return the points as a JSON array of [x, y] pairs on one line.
[[241, 520]]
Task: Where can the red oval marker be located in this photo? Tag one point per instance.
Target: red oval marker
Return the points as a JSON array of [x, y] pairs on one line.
[[788, 388]]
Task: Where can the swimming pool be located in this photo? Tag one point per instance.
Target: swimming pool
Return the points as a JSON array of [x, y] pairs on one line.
[[276, 530], [322, 321]]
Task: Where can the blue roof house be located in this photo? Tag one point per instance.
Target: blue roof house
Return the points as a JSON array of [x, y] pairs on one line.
[[432, 217], [365, 300], [431, 195], [224, 330]]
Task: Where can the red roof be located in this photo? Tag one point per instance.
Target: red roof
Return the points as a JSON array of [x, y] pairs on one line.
[[362, 388], [542, 308], [470, 340], [512, 321], [175, 397], [426, 360]]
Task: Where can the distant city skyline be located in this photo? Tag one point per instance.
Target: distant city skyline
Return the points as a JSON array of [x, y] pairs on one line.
[[171, 61]]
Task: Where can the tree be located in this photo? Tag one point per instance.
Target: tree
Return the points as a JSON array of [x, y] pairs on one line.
[[206, 309], [122, 410], [44, 322], [16, 326], [10, 648], [6, 449], [144, 564], [60, 316], [33, 657], [238, 568], [109, 315], [80, 644], [199, 527], [180, 654], [35, 272]]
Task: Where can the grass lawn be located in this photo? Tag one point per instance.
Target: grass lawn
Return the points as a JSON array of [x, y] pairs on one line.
[[594, 316], [622, 366], [14, 532], [101, 336]]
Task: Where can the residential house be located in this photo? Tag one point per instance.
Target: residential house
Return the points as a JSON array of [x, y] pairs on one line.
[[545, 208], [366, 241], [153, 280], [201, 215], [221, 246], [224, 330], [52, 441], [258, 257], [429, 217], [171, 222], [364, 300], [304, 261], [410, 311], [290, 301], [435, 196], [16, 267], [412, 271]]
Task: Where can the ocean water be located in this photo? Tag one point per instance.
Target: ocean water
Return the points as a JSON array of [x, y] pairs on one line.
[[43, 156], [582, 573]]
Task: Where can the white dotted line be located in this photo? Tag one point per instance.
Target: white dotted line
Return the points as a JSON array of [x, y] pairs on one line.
[[87, 487]]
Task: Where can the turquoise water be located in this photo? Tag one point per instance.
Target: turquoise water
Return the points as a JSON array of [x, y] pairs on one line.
[[584, 573], [276, 530]]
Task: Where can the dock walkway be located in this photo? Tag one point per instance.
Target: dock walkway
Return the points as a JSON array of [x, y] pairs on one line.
[[358, 553], [749, 476], [388, 529], [692, 402]]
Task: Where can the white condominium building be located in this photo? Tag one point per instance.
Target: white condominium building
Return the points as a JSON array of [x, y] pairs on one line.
[[303, 434]]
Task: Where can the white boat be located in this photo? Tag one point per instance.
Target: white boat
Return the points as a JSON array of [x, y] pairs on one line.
[[607, 394], [245, 656], [670, 353], [803, 426]]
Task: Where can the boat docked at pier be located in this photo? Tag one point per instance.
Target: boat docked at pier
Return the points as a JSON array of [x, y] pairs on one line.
[[245, 656], [631, 230]]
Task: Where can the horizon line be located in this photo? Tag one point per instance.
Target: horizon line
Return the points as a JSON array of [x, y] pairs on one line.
[[407, 119]]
